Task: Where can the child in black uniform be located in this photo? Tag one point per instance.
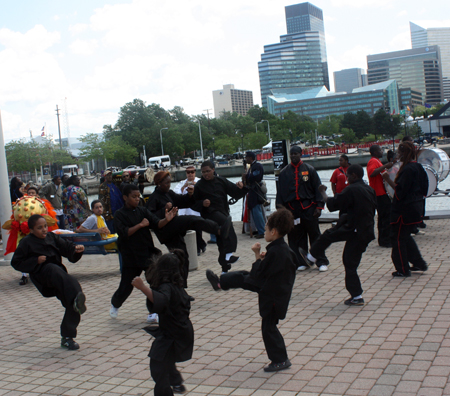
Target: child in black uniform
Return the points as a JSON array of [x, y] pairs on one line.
[[272, 276], [358, 202], [39, 254], [174, 338], [133, 223]]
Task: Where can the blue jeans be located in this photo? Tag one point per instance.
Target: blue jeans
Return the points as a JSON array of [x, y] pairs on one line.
[[258, 219]]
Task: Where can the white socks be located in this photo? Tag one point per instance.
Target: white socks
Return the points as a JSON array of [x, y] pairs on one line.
[[228, 255]]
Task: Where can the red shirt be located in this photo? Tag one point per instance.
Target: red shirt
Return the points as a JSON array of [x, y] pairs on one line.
[[375, 182], [339, 177]]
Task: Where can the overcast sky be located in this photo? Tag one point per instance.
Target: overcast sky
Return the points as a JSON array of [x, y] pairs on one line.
[[102, 54]]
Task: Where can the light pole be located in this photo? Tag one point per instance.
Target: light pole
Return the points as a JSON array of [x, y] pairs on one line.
[[268, 128], [242, 137], [200, 133], [160, 134], [214, 149]]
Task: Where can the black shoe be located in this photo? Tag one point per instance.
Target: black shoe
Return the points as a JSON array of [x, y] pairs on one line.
[[259, 236], [424, 268], [69, 343], [277, 366], [303, 255], [23, 280], [213, 279], [203, 249], [232, 260], [178, 388], [199, 252], [398, 274], [191, 298], [225, 227], [354, 301], [422, 225], [79, 303]]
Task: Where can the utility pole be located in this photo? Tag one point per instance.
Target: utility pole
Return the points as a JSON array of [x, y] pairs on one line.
[[207, 114], [59, 127]]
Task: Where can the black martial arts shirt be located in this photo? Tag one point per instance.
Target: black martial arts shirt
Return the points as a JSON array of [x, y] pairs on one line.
[[175, 329], [139, 247], [275, 275], [358, 201], [410, 191], [216, 190], [157, 202], [25, 258], [297, 190]]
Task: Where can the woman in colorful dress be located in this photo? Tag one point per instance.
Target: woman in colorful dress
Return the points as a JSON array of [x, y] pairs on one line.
[[75, 203]]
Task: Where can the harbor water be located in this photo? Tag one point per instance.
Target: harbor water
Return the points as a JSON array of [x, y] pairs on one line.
[[432, 203]]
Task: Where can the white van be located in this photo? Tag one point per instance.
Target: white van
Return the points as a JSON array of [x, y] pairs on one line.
[[70, 170], [161, 161]]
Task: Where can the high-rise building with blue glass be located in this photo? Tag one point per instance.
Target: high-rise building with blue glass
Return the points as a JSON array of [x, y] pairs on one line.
[[421, 37], [300, 58]]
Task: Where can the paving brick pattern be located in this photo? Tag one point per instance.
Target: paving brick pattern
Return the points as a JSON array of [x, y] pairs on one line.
[[397, 344]]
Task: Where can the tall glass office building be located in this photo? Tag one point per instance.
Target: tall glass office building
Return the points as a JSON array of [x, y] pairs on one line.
[[300, 58], [421, 37], [418, 69]]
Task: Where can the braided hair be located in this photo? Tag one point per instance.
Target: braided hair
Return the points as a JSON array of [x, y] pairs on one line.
[[407, 152]]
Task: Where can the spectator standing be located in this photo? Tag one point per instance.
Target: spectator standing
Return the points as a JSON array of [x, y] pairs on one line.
[[75, 203], [111, 198], [15, 189], [52, 192]]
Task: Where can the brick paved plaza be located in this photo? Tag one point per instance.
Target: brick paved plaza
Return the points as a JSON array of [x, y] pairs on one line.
[[397, 344]]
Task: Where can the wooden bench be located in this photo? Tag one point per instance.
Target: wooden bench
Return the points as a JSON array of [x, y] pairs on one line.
[[93, 243]]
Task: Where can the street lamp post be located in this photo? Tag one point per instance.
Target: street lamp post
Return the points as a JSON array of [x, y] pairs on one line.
[[200, 133], [160, 134], [268, 128], [214, 149], [242, 137]]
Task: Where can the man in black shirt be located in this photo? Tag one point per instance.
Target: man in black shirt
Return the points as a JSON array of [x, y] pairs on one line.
[[135, 243], [355, 226], [211, 193], [298, 191]]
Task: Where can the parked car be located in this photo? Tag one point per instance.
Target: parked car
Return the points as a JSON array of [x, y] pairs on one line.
[[132, 167], [188, 161]]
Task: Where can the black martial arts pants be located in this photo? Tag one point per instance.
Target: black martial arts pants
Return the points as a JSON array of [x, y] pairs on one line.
[[201, 244], [125, 286], [273, 340], [404, 248], [298, 238], [384, 213], [351, 257], [237, 280], [165, 374], [225, 245], [66, 288], [172, 235]]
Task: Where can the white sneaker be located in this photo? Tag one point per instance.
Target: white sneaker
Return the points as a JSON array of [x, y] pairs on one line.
[[113, 312], [302, 268], [153, 318], [323, 268]]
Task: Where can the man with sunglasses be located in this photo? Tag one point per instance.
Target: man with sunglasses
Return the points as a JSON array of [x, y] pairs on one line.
[[126, 179], [182, 188]]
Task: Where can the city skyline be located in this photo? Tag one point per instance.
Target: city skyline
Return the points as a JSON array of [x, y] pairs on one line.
[[101, 55]]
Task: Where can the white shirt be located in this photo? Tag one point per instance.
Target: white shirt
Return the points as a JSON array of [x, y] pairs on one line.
[[177, 190]]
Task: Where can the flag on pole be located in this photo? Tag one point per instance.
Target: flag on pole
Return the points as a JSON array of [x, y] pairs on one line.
[[43, 131], [428, 106]]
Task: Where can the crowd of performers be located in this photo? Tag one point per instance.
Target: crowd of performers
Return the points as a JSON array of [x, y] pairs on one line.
[[205, 201]]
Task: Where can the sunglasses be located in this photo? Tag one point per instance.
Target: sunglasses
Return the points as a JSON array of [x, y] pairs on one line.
[[190, 171]]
